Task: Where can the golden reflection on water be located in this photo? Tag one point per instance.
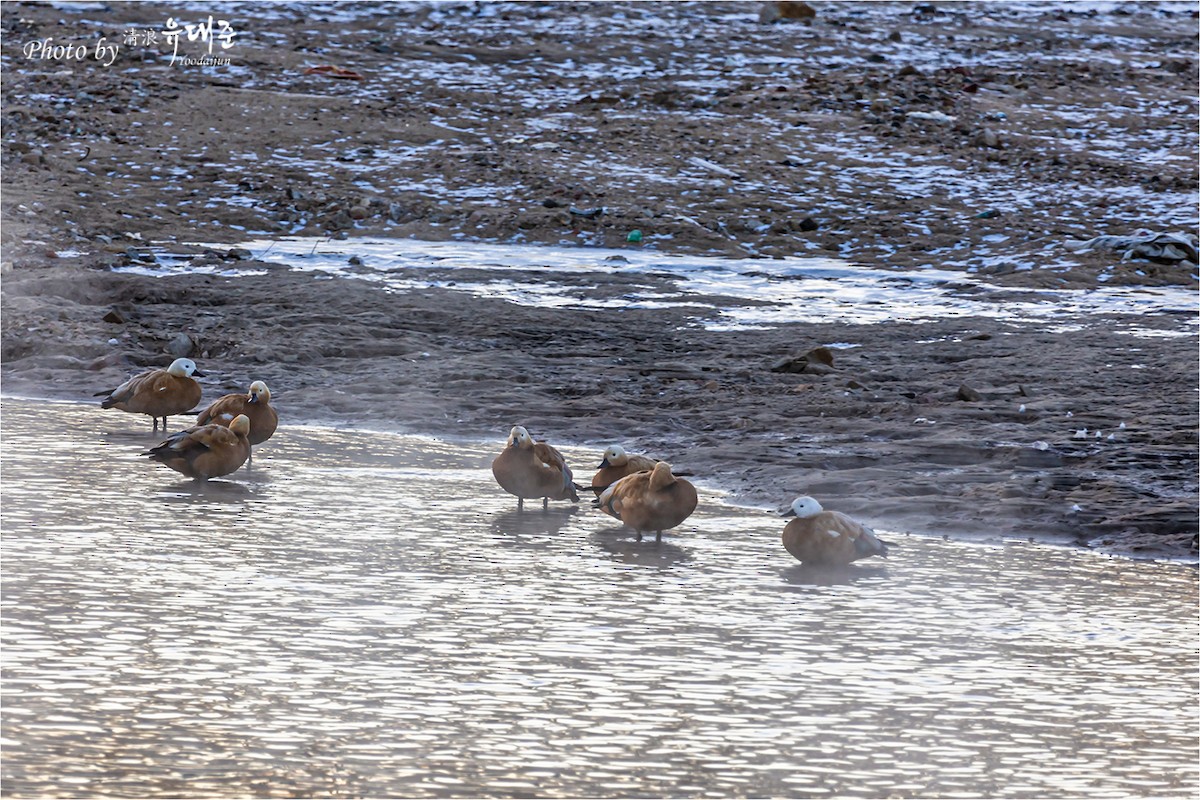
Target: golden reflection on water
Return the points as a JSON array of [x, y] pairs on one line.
[[355, 615]]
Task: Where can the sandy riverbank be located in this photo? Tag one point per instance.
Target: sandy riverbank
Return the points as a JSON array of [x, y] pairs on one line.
[[423, 148]]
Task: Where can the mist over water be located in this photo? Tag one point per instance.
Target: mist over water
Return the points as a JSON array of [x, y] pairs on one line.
[[368, 614]]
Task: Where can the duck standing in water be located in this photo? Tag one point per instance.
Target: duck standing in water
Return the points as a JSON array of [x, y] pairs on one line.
[[651, 500], [206, 451], [256, 406], [530, 469], [818, 536], [616, 464], [158, 392]]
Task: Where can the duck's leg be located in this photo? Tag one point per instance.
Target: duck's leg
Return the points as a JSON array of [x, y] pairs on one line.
[[545, 503], [520, 503], [155, 424], [658, 536], [639, 536]]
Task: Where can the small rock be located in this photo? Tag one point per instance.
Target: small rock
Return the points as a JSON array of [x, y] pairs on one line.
[[550, 202], [359, 212], [712, 386], [180, 345], [906, 70], [239, 254], [809, 224], [33, 157], [968, 394], [354, 261], [896, 36], [818, 361], [114, 317], [855, 385], [877, 58], [586, 213], [979, 337], [987, 138], [786, 9]]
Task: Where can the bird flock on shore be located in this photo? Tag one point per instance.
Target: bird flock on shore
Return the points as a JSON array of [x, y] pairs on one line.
[[639, 491]]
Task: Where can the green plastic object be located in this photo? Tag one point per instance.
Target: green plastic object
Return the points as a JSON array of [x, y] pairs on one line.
[[634, 236]]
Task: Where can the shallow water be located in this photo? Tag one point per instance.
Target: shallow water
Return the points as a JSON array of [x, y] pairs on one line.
[[725, 293], [367, 614]]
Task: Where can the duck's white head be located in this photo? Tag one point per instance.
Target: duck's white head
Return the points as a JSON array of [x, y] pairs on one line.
[[259, 393], [519, 437], [183, 368], [806, 507], [614, 456]]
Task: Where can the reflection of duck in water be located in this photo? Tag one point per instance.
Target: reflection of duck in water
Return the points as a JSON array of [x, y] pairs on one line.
[[614, 542], [650, 501], [616, 464], [206, 451], [516, 523], [818, 536], [530, 469], [159, 392]]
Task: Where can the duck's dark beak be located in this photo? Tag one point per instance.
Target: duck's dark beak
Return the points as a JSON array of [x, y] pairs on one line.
[[197, 372], [603, 464], [787, 513]]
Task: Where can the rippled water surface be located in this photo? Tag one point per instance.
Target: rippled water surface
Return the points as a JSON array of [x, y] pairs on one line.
[[367, 614]]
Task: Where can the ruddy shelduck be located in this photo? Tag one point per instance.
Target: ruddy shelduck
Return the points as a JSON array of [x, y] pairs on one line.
[[158, 392], [818, 536], [530, 469], [256, 405], [616, 464], [206, 451], [650, 500]]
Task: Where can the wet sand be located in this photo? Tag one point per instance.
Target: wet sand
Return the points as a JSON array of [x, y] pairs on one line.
[[883, 435]]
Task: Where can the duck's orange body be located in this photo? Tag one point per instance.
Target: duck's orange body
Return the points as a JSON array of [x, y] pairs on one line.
[[531, 470], [158, 392], [817, 536], [206, 451], [256, 406], [651, 500]]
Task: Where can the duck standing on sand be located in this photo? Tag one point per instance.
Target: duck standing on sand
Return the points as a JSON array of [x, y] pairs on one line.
[[818, 536], [531, 469], [206, 451], [256, 406], [158, 392], [651, 500], [616, 464]]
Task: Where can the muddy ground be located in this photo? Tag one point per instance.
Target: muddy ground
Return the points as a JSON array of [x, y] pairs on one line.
[[976, 137]]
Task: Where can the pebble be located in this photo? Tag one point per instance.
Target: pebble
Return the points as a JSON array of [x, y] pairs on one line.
[[968, 394], [180, 345]]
